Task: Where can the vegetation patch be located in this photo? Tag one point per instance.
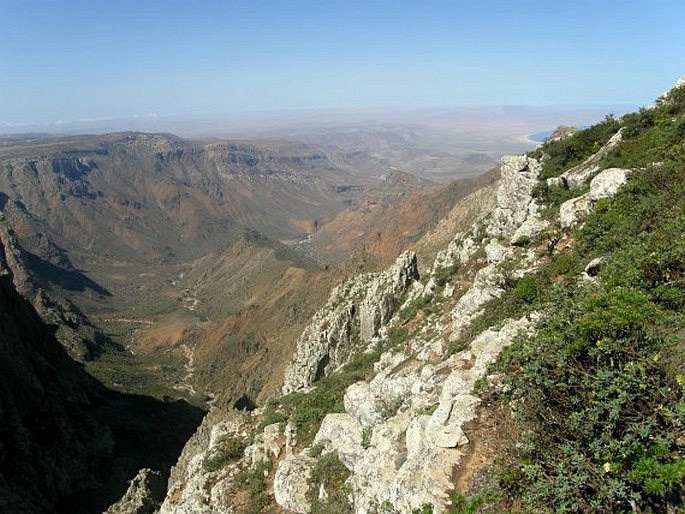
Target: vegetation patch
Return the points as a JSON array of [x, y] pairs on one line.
[[414, 307], [599, 390], [558, 156], [442, 275], [554, 196], [258, 498], [229, 450], [652, 135], [306, 410], [330, 473]]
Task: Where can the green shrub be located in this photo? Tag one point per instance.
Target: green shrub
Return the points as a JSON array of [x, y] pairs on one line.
[[527, 289], [330, 473], [599, 389], [588, 386], [556, 195], [258, 498], [413, 307], [652, 135], [229, 450], [470, 505], [397, 336], [564, 154], [442, 275]]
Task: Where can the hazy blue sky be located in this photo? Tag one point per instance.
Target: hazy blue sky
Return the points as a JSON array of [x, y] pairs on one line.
[[69, 59]]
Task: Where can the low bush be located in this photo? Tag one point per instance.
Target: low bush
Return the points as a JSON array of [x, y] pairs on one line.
[[258, 499], [599, 390], [229, 450], [330, 473]]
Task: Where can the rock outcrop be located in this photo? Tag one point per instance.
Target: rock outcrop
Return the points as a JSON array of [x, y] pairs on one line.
[[358, 307], [515, 201], [580, 174], [604, 185], [292, 483], [396, 451], [192, 488], [144, 494], [383, 294]]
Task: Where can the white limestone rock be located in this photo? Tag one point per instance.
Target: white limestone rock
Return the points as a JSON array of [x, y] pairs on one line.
[[593, 267], [412, 455], [529, 229], [193, 490], [487, 285], [292, 483], [329, 330], [361, 403], [343, 433], [573, 210], [382, 293], [579, 175], [604, 185], [514, 194], [495, 252], [266, 446], [367, 302], [459, 251], [555, 182], [607, 183]]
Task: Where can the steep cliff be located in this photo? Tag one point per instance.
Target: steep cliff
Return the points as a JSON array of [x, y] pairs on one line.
[[29, 274]]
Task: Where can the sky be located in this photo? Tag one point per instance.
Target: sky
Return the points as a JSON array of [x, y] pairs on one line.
[[87, 59]]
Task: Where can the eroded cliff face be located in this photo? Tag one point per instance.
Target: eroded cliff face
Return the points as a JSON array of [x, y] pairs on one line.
[[394, 440], [68, 444], [351, 318], [79, 337]]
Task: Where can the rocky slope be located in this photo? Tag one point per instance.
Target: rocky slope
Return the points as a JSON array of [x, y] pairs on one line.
[[380, 400]]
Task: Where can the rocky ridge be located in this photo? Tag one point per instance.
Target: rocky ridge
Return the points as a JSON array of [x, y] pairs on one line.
[[352, 317], [74, 331], [400, 433]]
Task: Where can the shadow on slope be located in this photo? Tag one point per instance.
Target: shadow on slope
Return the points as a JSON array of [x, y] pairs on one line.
[[69, 279], [68, 444]]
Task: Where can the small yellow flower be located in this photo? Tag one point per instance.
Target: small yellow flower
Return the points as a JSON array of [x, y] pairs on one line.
[[607, 467]]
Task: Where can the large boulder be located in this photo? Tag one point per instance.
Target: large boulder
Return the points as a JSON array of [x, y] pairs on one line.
[[573, 210], [607, 183], [292, 483]]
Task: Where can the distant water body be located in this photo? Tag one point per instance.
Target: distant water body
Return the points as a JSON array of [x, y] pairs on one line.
[[540, 136]]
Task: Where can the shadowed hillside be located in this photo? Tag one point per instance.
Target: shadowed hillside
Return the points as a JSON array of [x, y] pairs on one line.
[[67, 443]]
